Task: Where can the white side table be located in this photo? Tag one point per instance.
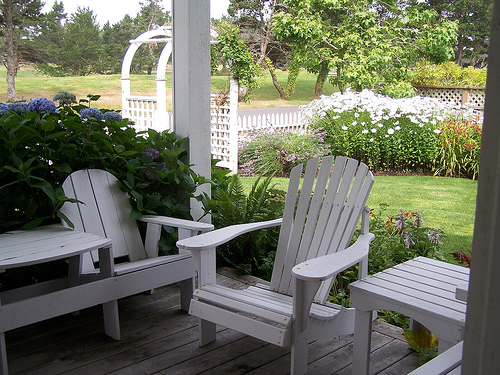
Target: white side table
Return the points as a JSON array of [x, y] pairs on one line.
[[423, 289]]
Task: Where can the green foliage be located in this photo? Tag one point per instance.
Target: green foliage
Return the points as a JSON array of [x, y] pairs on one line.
[[424, 343], [397, 135], [459, 147], [400, 89], [398, 238], [40, 150], [231, 50], [474, 22], [229, 205], [76, 45], [277, 151], [368, 46], [447, 74]]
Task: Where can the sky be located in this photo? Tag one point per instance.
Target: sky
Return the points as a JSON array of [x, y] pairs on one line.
[[114, 10]]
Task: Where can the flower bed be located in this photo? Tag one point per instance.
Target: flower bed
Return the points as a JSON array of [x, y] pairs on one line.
[[387, 134]]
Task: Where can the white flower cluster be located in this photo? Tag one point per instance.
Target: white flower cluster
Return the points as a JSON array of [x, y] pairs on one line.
[[418, 109]]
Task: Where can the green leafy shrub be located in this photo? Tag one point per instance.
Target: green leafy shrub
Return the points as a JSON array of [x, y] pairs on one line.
[[459, 146], [447, 74], [41, 145], [385, 133], [277, 151], [40, 149], [253, 252], [398, 135]]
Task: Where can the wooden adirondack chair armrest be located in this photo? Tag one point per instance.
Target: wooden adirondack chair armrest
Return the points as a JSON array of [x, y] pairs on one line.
[[322, 268], [186, 229], [220, 236], [178, 223]]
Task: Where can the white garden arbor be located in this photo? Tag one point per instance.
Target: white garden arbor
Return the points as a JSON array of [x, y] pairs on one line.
[[148, 111]]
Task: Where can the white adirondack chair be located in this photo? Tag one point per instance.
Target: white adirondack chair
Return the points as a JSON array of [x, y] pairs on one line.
[[313, 247], [138, 268]]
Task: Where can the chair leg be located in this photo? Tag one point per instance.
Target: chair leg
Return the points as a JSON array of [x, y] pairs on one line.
[[362, 341], [299, 356], [207, 332], [111, 320], [4, 369], [187, 289]]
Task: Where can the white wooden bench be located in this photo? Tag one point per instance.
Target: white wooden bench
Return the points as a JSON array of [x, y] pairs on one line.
[[423, 289]]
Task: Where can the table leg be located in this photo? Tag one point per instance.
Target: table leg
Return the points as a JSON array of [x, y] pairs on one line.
[[4, 369], [110, 309], [362, 340]]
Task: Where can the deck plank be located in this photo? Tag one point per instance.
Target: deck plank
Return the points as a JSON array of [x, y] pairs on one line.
[[158, 338]]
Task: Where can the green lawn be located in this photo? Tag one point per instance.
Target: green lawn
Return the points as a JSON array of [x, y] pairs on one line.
[[445, 203], [30, 84]]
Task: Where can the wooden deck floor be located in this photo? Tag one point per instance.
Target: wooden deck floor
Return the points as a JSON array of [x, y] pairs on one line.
[[159, 338]]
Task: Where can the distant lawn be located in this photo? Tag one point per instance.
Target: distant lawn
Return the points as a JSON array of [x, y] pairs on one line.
[[445, 203], [30, 84]]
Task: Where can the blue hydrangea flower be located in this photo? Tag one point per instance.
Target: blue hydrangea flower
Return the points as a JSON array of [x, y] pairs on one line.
[[64, 97], [4, 109], [155, 155], [112, 117], [41, 105], [91, 113], [20, 107]]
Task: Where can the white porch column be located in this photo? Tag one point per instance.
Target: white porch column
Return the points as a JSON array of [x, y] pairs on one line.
[[191, 83], [481, 353]]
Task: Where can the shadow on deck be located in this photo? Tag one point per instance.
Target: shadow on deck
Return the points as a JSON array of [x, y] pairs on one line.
[[159, 338]]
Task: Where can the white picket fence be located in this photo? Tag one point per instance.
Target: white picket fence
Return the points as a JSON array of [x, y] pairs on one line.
[[227, 128]]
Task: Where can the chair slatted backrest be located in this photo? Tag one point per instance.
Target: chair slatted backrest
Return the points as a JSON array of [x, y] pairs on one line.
[[105, 212], [321, 218]]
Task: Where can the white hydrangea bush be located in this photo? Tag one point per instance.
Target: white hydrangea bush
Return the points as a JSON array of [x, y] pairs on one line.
[[387, 134]]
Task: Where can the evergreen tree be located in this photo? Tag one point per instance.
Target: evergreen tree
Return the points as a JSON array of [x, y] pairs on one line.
[[17, 18], [49, 41], [115, 41], [82, 47]]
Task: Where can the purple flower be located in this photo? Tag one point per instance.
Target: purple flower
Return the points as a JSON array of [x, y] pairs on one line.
[[408, 240], [155, 155], [418, 220], [91, 113], [41, 105], [19, 107], [400, 222], [434, 237], [112, 116], [4, 109]]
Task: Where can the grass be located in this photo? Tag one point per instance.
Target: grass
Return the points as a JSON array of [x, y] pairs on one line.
[[30, 84], [445, 203]]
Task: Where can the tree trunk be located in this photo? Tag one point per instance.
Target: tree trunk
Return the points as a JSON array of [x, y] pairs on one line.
[[9, 33], [460, 53], [320, 80], [265, 42], [276, 84]]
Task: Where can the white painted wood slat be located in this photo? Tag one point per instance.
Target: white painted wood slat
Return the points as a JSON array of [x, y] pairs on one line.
[[317, 221]]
